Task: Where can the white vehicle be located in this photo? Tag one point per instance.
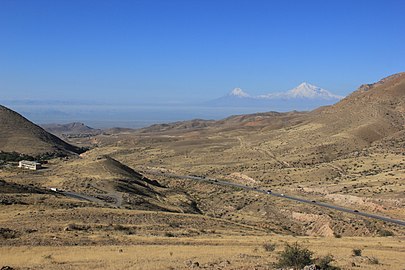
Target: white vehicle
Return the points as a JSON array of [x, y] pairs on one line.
[[282, 194], [54, 189]]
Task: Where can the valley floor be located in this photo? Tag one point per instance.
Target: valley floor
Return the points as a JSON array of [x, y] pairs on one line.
[[238, 252]]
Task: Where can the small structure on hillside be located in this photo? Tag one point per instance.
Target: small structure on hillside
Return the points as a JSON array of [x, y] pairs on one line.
[[31, 165]]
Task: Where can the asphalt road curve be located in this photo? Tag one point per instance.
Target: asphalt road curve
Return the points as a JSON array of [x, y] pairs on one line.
[[79, 196], [281, 195]]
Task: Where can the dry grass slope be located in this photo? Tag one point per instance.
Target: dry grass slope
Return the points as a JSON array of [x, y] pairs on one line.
[[20, 135]]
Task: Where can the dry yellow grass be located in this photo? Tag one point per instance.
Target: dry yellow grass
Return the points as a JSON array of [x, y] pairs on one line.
[[228, 253]]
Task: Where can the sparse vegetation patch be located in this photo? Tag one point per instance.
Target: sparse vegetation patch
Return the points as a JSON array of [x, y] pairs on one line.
[[295, 256]]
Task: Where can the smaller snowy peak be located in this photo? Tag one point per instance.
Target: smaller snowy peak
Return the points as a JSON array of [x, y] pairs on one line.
[[237, 92], [306, 90]]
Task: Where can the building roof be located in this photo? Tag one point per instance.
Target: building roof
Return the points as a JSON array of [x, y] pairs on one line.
[[27, 162]]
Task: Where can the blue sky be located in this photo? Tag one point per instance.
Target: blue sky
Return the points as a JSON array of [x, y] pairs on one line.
[[172, 50]]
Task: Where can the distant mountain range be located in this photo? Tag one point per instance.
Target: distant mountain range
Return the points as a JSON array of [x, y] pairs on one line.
[[303, 97]]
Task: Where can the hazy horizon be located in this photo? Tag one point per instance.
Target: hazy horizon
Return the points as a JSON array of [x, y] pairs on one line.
[[102, 116], [138, 114]]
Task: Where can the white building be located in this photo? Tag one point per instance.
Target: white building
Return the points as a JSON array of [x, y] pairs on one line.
[[32, 165]]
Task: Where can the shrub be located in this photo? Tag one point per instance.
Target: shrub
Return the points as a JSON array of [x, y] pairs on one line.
[[269, 247], [6, 233], [295, 256], [48, 257], [169, 234], [119, 227], [324, 263], [385, 233], [374, 260], [76, 227], [357, 252], [124, 229], [14, 156]]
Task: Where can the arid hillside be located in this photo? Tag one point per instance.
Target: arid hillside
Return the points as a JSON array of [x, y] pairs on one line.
[[18, 134], [74, 129], [129, 191], [348, 154]]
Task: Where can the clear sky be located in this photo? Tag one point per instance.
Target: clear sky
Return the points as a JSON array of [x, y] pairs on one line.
[[123, 51]]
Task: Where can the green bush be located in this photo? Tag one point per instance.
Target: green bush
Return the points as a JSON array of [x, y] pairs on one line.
[[295, 256], [14, 156]]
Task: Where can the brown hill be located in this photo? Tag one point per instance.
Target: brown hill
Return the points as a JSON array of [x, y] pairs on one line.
[[371, 113], [70, 128], [20, 135], [111, 181]]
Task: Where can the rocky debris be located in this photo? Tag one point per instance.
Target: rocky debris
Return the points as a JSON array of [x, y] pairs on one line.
[[224, 263], [217, 265], [7, 268], [312, 267], [192, 264]]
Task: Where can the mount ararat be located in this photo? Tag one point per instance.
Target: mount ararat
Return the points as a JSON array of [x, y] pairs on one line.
[[303, 97]]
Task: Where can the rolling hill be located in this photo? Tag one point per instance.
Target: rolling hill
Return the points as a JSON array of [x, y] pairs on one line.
[[70, 128], [18, 134]]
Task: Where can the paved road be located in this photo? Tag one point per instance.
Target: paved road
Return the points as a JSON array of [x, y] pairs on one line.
[[281, 195], [79, 196], [83, 197]]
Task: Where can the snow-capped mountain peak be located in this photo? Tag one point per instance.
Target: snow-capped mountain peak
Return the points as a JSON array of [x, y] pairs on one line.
[[306, 90], [237, 92], [303, 97]]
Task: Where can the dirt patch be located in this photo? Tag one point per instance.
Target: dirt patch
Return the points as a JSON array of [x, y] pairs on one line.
[[318, 225], [351, 200], [242, 179]]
